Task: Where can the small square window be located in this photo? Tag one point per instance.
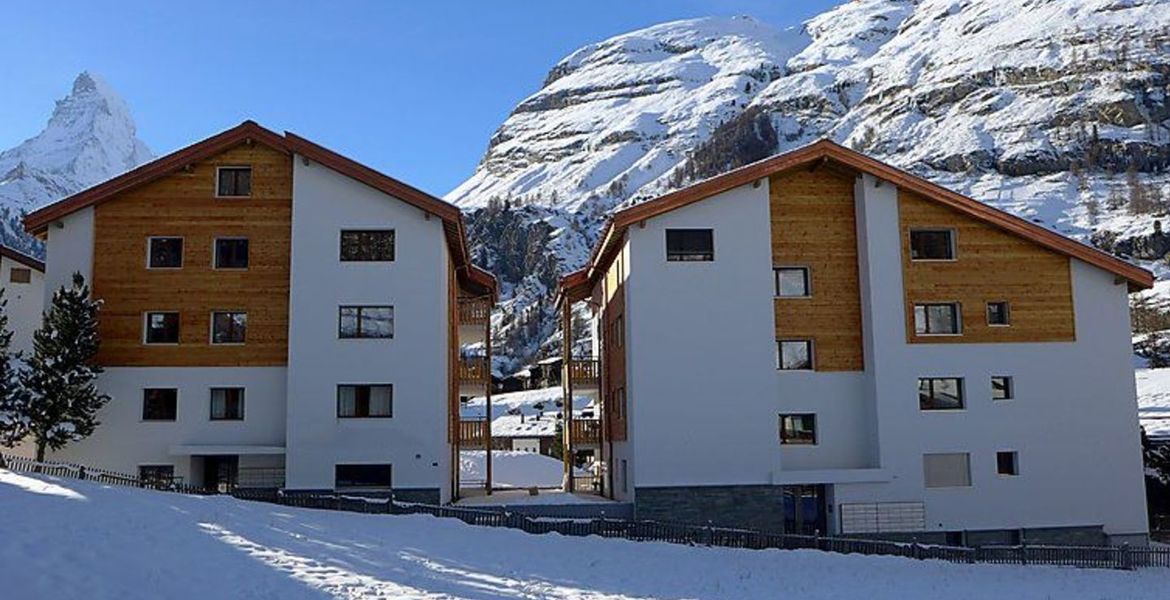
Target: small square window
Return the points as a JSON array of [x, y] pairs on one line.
[[366, 322], [367, 245], [162, 328], [798, 429], [1007, 463], [940, 393], [932, 244], [688, 245], [165, 253], [156, 475], [1001, 388], [998, 313], [796, 355], [792, 282], [937, 319], [365, 401], [227, 404], [233, 182], [229, 327], [160, 404], [231, 253], [20, 275]]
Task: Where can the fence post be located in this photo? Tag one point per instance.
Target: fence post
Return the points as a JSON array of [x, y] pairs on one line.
[[81, 473], [916, 550], [1023, 553]]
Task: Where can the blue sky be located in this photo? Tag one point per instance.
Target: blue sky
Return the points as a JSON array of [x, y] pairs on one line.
[[414, 89]]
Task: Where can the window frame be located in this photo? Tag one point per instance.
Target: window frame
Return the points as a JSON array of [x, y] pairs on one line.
[[231, 238], [961, 384], [393, 245], [1014, 455], [175, 405], [167, 479], [678, 256], [926, 481], [336, 476], [953, 235], [1009, 388], [146, 327], [211, 403], [808, 291], [812, 361], [1007, 313], [926, 306], [218, 174], [785, 440], [26, 274], [150, 251], [389, 415], [359, 336], [211, 331]]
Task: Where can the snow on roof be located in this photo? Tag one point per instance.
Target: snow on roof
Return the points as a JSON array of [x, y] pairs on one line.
[[523, 426]]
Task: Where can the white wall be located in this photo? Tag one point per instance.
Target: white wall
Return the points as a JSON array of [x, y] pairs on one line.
[[26, 301], [414, 361], [68, 249]]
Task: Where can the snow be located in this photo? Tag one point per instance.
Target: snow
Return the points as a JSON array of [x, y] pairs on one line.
[[512, 468], [1153, 388], [521, 496], [128, 543]]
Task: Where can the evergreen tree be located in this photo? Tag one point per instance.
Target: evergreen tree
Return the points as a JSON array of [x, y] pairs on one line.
[[61, 373], [13, 397]]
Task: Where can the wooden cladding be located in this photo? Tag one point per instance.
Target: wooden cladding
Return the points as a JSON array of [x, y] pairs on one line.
[[990, 265], [814, 226], [585, 431], [184, 204], [585, 373]]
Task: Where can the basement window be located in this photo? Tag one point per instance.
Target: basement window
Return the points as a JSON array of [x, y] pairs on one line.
[[233, 182], [376, 476], [690, 245]]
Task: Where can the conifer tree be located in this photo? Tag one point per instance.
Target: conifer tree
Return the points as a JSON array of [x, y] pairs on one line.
[[13, 397]]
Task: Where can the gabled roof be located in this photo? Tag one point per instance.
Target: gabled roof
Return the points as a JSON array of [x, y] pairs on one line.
[[577, 284], [22, 258], [471, 277]]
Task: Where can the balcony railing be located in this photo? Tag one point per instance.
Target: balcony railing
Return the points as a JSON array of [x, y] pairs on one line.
[[584, 372], [473, 433], [585, 431], [473, 371], [474, 311]]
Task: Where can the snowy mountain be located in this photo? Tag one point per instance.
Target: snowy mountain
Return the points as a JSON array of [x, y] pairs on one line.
[[1054, 110], [89, 138]]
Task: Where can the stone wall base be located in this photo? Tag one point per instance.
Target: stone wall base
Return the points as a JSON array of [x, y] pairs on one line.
[[748, 506]]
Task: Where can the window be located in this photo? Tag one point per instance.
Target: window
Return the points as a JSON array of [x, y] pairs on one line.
[[156, 474], [998, 314], [1007, 463], [690, 245], [362, 476], [365, 401], [162, 328], [366, 322], [227, 404], [1001, 388], [233, 182], [932, 244], [20, 275], [796, 355], [160, 404], [937, 319], [231, 253], [792, 282], [947, 470], [229, 327], [164, 253], [940, 393], [798, 429], [367, 245]]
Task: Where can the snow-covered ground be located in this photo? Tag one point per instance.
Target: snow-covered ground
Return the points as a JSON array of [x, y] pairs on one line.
[[1153, 387], [66, 539], [514, 469]]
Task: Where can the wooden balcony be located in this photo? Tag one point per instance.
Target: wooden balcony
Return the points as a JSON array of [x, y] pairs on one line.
[[474, 311], [473, 371], [585, 373], [585, 431], [473, 434]]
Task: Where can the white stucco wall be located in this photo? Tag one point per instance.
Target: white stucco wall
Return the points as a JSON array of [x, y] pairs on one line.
[[414, 441], [68, 250], [26, 301]]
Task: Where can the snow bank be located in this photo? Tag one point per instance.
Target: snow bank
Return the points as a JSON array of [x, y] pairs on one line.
[[513, 469]]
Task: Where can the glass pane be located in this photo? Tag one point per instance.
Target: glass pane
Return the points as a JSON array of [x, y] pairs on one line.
[[166, 253], [925, 396], [948, 393], [348, 322], [940, 318], [367, 245], [162, 328], [931, 245], [380, 401], [229, 327], [795, 355], [377, 322], [920, 319], [231, 254], [792, 282], [690, 244], [218, 404], [1001, 388], [346, 401]]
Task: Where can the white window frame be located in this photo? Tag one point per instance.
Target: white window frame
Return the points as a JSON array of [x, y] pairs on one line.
[[182, 255], [251, 180], [808, 288], [211, 327]]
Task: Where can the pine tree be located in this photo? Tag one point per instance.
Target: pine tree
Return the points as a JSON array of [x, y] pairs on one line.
[[13, 397], [60, 375]]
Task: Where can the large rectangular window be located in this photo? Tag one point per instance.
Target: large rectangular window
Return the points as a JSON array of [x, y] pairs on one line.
[[227, 404], [160, 404], [164, 252], [947, 470], [229, 327], [795, 355], [366, 322], [231, 253], [932, 244], [161, 328], [798, 429], [364, 245], [362, 476], [792, 282], [363, 401], [940, 393], [233, 182], [937, 319], [685, 245]]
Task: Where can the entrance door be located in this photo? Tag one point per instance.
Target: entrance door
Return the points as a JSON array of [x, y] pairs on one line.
[[804, 510], [221, 473]]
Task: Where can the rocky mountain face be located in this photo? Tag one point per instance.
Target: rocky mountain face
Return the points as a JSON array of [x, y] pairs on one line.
[[89, 138], [1051, 109]]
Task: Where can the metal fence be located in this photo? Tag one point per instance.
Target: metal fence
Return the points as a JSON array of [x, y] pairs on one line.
[[1102, 557]]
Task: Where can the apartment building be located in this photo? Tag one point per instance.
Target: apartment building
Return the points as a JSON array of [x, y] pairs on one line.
[[23, 279], [820, 342], [275, 315]]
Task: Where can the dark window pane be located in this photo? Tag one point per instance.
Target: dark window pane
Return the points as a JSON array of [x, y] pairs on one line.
[[932, 245], [366, 322], [229, 327], [365, 401], [162, 328], [231, 253], [1001, 388], [160, 404], [166, 253], [690, 245], [156, 474], [792, 282], [227, 404], [997, 313], [1007, 463], [20, 275], [362, 476], [795, 355], [798, 429], [234, 181], [940, 393], [367, 245]]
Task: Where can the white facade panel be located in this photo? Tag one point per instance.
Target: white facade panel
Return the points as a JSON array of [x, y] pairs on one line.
[[68, 250], [26, 302]]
